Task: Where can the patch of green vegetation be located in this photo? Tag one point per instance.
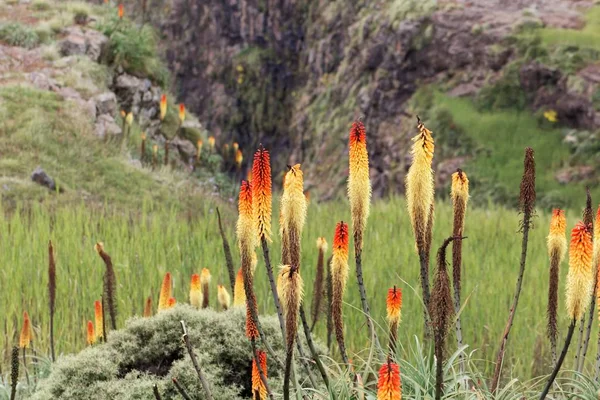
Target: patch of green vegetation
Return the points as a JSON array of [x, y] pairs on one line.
[[17, 34], [40, 5], [134, 49], [504, 135], [587, 37], [506, 92]]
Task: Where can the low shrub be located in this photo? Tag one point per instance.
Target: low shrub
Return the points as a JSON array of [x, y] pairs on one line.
[[149, 351], [16, 34]]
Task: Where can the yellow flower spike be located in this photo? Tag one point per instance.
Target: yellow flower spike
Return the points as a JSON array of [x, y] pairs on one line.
[[181, 113], [261, 192], [211, 143], [195, 291], [239, 295], [557, 241], [26, 332], [155, 149], [359, 183], [129, 118], [165, 292], [235, 146], [292, 215], [163, 106], [91, 337], [420, 185], [579, 278], [223, 297], [239, 157], [98, 317]]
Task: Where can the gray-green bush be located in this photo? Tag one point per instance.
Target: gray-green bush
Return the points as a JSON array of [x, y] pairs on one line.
[[150, 350]]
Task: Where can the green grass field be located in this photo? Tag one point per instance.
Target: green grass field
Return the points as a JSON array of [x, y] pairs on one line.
[[146, 244]]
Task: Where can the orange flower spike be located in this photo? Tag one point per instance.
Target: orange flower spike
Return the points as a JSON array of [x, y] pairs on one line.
[[165, 292], [98, 316], [261, 192], [121, 11], [26, 336], [596, 256], [239, 295], [245, 225], [148, 307], [163, 106], [181, 113], [239, 157], [257, 383], [340, 240], [235, 146], [196, 291], [389, 386], [171, 303], [359, 183], [394, 305], [557, 241], [91, 337], [579, 278]]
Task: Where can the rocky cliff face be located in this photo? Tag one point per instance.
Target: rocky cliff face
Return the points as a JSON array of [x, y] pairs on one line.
[[293, 74]]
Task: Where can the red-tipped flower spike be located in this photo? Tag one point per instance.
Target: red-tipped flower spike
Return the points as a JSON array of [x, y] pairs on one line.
[[340, 239], [359, 183], [389, 386], [181, 112], [394, 304], [98, 319], [165, 293], [163, 106], [26, 335], [91, 338], [259, 390], [121, 11], [196, 291], [171, 303], [579, 278], [261, 192], [245, 226]]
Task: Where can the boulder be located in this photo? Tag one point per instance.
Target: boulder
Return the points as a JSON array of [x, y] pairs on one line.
[[106, 127], [186, 149], [574, 174], [73, 44], [77, 42], [40, 177], [96, 44], [106, 103]]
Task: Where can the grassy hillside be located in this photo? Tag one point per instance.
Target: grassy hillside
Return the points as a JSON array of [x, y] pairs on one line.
[[144, 248]]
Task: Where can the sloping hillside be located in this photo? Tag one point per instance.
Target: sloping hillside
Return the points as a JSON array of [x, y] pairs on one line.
[[68, 72], [293, 75]]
